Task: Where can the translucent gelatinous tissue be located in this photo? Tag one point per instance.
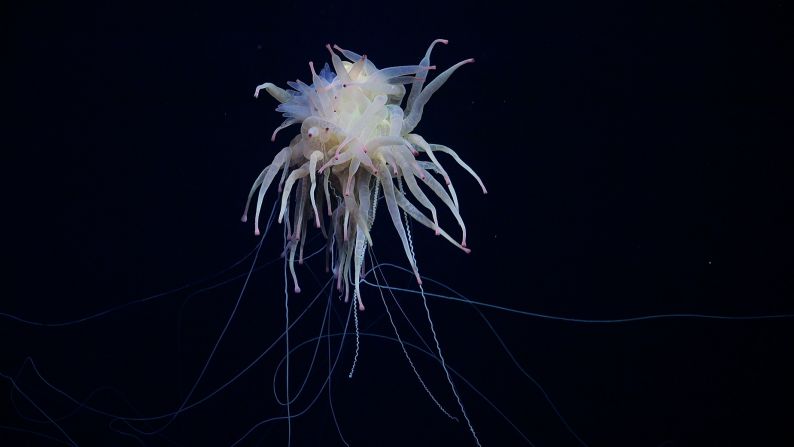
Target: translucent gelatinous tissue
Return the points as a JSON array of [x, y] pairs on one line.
[[355, 140]]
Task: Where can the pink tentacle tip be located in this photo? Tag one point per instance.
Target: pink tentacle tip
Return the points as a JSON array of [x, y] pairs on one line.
[[297, 289], [311, 67], [256, 232], [361, 306], [466, 250], [244, 219], [469, 61], [438, 231], [444, 41]]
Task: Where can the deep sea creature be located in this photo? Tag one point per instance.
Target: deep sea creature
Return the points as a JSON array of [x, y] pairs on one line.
[[355, 138]]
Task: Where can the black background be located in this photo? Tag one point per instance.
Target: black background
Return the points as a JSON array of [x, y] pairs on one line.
[[638, 161]]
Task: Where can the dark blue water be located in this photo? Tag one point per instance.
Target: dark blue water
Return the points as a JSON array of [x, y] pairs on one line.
[[638, 162]]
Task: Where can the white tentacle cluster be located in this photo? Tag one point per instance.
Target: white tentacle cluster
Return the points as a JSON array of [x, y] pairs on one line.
[[355, 138]]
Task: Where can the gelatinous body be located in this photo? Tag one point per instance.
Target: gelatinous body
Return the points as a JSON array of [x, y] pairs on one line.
[[355, 140]]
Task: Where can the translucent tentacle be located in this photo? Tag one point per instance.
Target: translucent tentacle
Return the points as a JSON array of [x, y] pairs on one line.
[[418, 106], [418, 216], [408, 175], [391, 205], [280, 159], [416, 86], [315, 157], [279, 93], [293, 177], [454, 155]]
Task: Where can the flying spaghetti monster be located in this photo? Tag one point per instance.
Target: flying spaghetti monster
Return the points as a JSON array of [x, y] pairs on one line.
[[356, 138]]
